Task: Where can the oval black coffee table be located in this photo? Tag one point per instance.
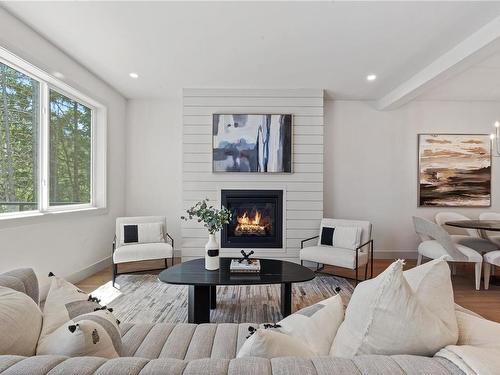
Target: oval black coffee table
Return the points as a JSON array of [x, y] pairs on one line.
[[202, 283]]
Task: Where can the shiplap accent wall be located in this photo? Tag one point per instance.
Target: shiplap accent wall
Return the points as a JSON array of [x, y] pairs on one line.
[[303, 189]]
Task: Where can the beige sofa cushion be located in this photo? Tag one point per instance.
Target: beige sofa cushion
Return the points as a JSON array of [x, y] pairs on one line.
[[478, 332], [20, 322]]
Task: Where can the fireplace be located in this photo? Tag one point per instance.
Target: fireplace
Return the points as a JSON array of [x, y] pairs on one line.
[[257, 219]]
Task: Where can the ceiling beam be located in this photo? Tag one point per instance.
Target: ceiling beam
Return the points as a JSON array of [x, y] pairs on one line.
[[470, 51]]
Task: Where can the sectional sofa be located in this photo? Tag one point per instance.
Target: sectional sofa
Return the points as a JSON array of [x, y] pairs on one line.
[[189, 349]]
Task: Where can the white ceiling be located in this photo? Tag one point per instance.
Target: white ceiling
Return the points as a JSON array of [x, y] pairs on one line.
[[331, 45]]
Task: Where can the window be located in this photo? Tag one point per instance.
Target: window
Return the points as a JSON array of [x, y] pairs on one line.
[[19, 121], [70, 151], [52, 143]]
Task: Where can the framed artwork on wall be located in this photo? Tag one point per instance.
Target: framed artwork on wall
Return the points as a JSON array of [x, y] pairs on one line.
[[454, 170], [258, 143]]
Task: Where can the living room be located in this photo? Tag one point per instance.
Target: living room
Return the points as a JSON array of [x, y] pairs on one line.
[[325, 148]]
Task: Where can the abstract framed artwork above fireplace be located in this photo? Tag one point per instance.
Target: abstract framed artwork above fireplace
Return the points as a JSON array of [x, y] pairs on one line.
[[257, 219]]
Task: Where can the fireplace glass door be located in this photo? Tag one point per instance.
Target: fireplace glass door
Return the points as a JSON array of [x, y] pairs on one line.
[[257, 219]]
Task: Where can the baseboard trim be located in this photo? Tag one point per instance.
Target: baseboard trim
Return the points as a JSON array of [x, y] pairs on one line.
[[89, 271], [389, 254], [394, 254]]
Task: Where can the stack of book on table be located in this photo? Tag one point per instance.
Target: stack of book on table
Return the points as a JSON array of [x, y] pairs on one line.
[[245, 266]]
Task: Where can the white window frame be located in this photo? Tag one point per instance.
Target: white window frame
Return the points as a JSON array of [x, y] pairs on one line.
[[98, 162]]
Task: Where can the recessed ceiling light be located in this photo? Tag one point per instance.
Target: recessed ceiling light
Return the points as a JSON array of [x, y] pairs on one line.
[[371, 77], [134, 75], [497, 124], [58, 75]]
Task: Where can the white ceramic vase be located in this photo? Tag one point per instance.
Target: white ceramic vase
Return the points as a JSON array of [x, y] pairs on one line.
[[212, 253]]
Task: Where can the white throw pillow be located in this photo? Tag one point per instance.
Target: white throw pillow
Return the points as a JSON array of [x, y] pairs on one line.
[[316, 325], [20, 322], [95, 334], [347, 237], [431, 282], [142, 233], [386, 315], [268, 343]]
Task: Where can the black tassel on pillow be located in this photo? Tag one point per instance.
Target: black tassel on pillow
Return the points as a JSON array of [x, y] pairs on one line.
[[103, 308], [51, 274], [93, 299], [337, 289], [118, 322], [72, 328], [251, 331]]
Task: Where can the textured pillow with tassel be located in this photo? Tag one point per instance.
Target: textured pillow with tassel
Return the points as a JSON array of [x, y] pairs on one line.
[[74, 324], [94, 334], [64, 302]]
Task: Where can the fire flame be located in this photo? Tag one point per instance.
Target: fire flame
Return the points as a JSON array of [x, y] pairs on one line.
[[245, 219], [249, 225]]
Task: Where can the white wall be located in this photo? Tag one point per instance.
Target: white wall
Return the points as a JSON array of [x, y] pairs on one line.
[[70, 244], [371, 162], [154, 161]]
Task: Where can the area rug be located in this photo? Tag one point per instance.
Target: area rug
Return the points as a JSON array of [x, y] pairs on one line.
[[145, 299]]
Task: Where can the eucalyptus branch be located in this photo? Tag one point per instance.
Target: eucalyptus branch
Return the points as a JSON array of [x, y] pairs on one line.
[[212, 218]]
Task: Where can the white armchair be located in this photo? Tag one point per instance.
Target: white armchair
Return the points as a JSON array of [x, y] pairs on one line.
[[350, 254], [141, 238], [437, 243]]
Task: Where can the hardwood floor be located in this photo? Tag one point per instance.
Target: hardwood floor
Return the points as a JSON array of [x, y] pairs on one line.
[[483, 302]]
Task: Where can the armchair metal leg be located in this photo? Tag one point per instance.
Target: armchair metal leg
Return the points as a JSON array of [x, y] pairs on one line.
[[366, 270], [115, 271], [357, 253], [166, 263], [371, 261]]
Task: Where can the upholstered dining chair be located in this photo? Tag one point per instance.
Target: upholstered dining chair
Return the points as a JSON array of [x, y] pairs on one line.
[[341, 243], [141, 238], [491, 216], [437, 243], [491, 260], [471, 239]]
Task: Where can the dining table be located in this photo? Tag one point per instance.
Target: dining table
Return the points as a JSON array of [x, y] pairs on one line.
[[483, 227]]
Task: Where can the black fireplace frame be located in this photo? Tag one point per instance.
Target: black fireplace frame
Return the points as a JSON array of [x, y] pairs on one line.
[[256, 242]]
